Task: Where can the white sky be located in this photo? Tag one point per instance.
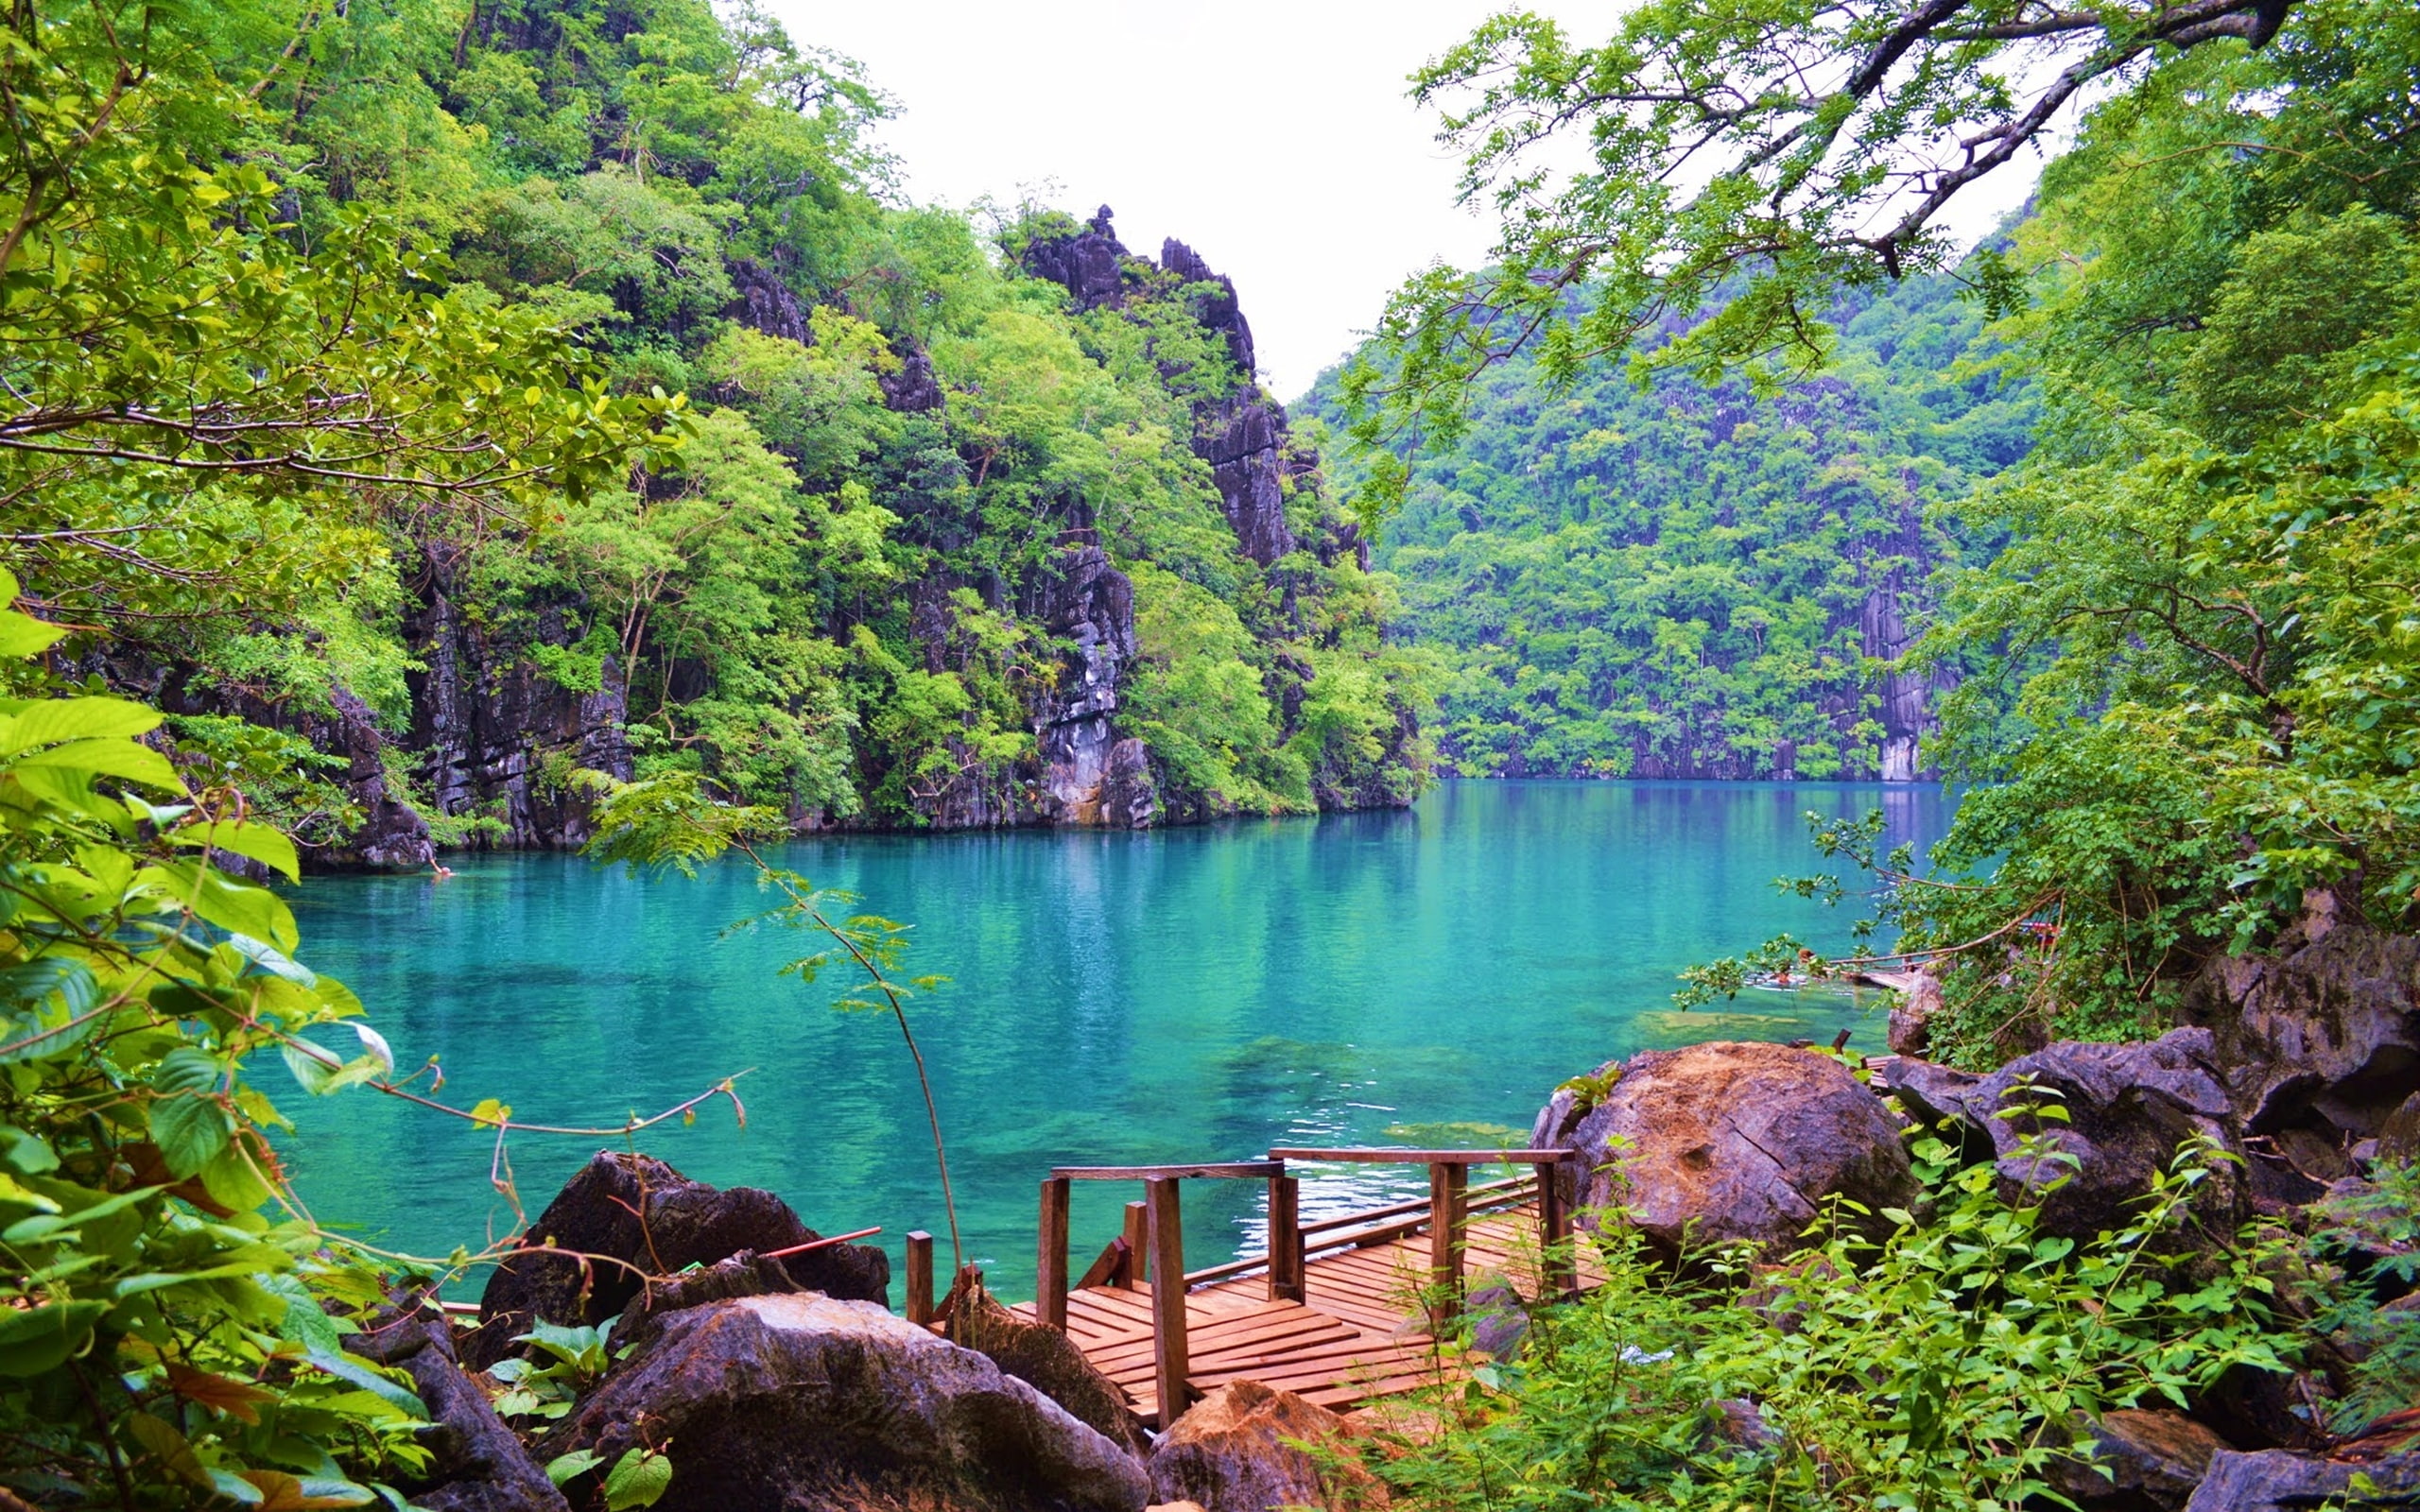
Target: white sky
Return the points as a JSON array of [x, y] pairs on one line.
[[1273, 137]]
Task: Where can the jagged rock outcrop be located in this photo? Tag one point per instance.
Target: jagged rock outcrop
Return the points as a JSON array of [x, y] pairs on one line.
[[1724, 1141], [799, 1400], [1089, 775], [763, 302], [646, 1219], [2321, 1032], [393, 834], [494, 735], [2127, 1109]]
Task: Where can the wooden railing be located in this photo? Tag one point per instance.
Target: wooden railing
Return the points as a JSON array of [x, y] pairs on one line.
[[1152, 1242], [1449, 1210]]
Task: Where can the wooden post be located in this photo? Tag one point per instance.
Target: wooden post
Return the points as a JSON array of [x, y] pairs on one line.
[[920, 1278], [1285, 1239], [1051, 1256], [1558, 1277], [1138, 1244], [1169, 1362], [1447, 1187]]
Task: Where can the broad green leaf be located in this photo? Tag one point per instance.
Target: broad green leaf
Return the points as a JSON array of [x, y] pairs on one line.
[[52, 721], [236, 1489], [169, 1447], [232, 1178], [263, 843], [26, 1154], [361, 1373], [564, 1468], [312, 1066], [190, 1129], [29, 982], [638, 1479], [22, 635], [40, 1339], [26, 1231], [235, 906], [121, 759], [187, 1069]]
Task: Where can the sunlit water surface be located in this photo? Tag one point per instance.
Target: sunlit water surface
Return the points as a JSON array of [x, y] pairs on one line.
[[1181, 995]]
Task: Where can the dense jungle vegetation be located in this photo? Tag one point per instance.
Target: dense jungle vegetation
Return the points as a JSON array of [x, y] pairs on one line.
[[316, 319], [833, 594], [1691, 578], [2178, 629]]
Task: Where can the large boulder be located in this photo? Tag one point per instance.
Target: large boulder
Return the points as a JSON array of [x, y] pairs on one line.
[[2128, 1108], [778, 1402], [2147, 1457], [1237, 1450], [2322, 1030], [476, 1464], [633, 1222], [1725, 1142], [2277, 1480], [1050, 1362]]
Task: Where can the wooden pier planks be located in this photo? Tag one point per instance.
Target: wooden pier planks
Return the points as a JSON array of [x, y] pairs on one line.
[[1358, 1334]]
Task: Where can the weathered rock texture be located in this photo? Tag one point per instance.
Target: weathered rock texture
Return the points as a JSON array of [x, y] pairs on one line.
[[2128, 1109], [494, 735], [2322, 1031], [2130, 1459], [1049, 1362], [649, 1220], [1234, 1451], [476, 1462], [2274, 1480], [801, 1401], [1726, 1142]]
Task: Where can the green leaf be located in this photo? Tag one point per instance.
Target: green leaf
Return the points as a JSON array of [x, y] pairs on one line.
[[26, 1154], [312, 1065], [564, 1469], [638, 1479], [187, 1069], [190, 1129], [169, 1447], [263, 843], [22, 635], [52, 721], [40, 1339], [121, 759], [345, 1368], [26, 1231]]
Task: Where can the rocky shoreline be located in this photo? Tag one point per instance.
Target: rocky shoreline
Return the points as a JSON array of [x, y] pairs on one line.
[[786, 1381]]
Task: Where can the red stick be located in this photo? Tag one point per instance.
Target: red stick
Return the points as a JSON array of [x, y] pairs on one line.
[[821, 1244]]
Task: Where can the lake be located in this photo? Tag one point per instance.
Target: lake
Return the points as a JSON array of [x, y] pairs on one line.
[[1185, 994]]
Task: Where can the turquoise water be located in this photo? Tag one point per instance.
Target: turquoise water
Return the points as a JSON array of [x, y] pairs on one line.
[[1181, 995]]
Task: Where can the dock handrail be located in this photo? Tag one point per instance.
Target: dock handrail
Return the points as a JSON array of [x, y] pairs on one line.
[[1449, 1196], [1154, 1244]]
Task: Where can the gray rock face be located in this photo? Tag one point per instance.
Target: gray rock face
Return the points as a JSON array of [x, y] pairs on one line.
[[2324, 1030], [776, 1403], [2276, 1480], [763, 302], [654, 1221], [487, 724], [2128, 1107], [1230, 1452], [1091, 606], [1727, 1141], [393, 834]]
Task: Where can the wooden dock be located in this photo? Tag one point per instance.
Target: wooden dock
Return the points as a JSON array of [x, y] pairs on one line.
[[1339, 1311]]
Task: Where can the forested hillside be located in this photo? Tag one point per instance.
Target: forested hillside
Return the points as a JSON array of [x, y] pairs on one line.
[[1687, 579], [931, 534]]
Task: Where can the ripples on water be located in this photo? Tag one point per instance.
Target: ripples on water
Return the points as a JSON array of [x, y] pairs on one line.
[[1179, 995]]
